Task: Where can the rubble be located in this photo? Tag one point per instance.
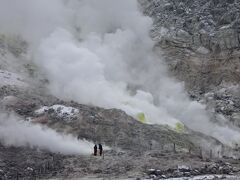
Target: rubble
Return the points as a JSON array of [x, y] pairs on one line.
[[183, 171]]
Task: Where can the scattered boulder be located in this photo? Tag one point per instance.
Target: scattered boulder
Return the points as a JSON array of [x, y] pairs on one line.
[[220, 168]]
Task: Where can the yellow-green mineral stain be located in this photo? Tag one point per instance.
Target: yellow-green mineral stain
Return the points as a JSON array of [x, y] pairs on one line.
[[141, 117]]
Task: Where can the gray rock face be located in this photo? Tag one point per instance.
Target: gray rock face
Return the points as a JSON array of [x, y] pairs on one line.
[[199, 40], [213, 25]]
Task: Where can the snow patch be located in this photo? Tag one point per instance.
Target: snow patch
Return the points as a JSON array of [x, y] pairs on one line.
[[60, 110], [183, 167], [202, 177]]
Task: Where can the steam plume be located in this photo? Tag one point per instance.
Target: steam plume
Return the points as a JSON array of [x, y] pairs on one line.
[[14, 131], [100, 53]]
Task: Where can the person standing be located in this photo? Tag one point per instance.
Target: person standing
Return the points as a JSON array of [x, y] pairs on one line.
[[100, 149], [95, 150]]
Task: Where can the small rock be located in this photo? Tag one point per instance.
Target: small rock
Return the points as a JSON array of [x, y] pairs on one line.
[[151, 171], [163, 176], [158, 172], [29, 169], [183, 168], [153, 176]]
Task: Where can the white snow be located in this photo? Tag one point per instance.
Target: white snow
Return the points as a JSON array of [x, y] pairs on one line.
[[60, 110], [42, 110], [183, 167], [202, 177]]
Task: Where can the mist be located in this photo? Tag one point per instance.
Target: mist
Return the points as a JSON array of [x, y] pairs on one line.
[[100, 53], [17, 132], [32, 20]]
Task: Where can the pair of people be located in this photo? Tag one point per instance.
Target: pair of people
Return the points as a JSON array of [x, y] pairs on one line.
[[100, 150]]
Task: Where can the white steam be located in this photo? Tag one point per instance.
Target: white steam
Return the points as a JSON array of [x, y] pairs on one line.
[[14, 131], [100, 53], [33, 20]]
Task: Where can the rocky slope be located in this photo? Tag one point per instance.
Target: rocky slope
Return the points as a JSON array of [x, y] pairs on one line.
[[200, 39], [200, 42], [203, 26], [134, 147], [131, 147]]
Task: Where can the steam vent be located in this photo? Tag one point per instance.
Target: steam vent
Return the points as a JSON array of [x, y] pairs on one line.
[[119, 89]]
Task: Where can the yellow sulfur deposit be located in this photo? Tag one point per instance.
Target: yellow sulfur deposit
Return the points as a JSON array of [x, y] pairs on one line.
[[141, 117], [179, 127]]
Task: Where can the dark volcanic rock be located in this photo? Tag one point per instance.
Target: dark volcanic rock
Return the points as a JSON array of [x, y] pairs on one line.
[[185, 171], [213, 24], [25, 163]]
